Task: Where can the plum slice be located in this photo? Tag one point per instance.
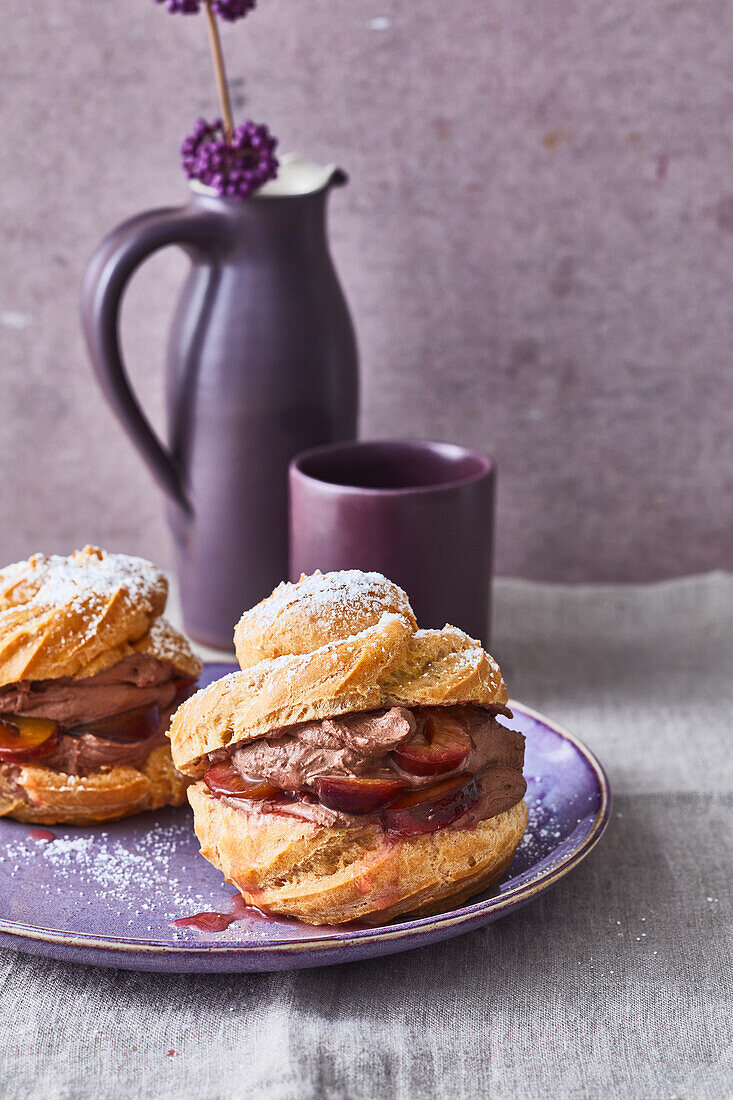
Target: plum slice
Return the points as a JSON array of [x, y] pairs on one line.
[[431, 808], [25, 739], [131, 725], [354, 794], [443, 746], [223, 779]]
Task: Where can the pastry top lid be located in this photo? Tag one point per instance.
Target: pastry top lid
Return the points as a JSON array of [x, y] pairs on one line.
[[301, 617], [76, 615], [330, 644]]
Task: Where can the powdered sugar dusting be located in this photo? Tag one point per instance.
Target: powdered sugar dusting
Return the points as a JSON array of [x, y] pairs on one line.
[[55, 581], [143, 880], [342, 607], [127, 882], [331, 595], [163, 642]]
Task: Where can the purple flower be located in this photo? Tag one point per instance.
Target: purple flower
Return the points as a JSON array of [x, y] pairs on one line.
[[181, 7], [231, 10], [234, 170]]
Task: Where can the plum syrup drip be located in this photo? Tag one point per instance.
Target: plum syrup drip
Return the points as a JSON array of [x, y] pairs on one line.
[[214, 921]]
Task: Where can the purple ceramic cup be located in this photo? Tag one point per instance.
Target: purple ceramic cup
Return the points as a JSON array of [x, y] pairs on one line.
[[421, 513]]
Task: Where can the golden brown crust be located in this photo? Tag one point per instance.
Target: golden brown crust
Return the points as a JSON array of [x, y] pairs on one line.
[[167, 644], [54, 798], [75, 617], [162, 641], [334, 644], [328, 876], [60, 616], [443, 667], [302, 617], [388, 664]]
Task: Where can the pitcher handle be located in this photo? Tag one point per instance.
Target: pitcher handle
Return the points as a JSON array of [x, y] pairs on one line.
[[105, 280]]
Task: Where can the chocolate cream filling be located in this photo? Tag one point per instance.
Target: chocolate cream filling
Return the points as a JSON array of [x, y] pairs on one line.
[[139, 681], [361, 745]]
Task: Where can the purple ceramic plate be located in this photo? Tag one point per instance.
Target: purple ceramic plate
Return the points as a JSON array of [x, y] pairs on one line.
[[107, 895]]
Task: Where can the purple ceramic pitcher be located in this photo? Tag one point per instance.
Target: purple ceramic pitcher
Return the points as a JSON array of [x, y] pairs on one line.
[[261, 364]]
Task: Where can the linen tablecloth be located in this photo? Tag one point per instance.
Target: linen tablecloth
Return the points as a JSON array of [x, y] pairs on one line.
[[616, 984]]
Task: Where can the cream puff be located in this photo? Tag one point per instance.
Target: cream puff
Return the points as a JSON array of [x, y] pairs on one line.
[[90, 675], [356, 767]]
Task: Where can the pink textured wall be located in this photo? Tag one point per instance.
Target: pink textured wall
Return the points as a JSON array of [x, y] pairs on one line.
[[537, 244]]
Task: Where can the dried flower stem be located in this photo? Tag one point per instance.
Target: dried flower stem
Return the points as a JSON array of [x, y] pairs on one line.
[[219, 71]]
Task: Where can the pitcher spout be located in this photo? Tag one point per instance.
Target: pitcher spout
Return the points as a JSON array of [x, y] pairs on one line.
[[299, 176]]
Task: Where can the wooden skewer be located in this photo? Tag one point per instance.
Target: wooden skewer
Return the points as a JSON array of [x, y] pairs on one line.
[[219, 71]]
